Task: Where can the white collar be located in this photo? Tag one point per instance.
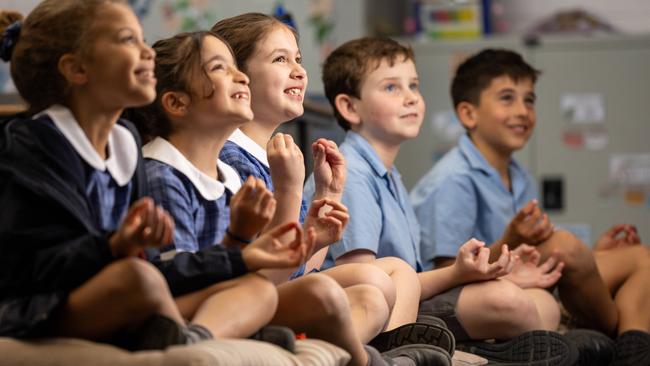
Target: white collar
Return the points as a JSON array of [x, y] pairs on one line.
[[247, 143], [122, 148], [208, 187]]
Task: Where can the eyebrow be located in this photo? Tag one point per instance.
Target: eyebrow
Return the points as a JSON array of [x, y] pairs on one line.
[[395, 78], [283, 50], [129, 29], [511, 90], [215, 57]]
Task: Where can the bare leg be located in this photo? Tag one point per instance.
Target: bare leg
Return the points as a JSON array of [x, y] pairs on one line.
[[547, 308], [581, 285], [626, 272], [496, 309], [368, 310], [317, 305], [232, 309], [407, 285], [352, 274], [124, 293]]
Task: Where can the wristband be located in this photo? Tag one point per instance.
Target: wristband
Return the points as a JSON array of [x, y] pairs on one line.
[[237, 238]]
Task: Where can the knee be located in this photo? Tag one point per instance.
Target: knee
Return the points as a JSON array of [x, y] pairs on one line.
[[138, 281], [264, 291], [509, 302], [547, 307], [369, 274], [643, 256], [325, 296], [572, 251], [403, 275], [371, 300]]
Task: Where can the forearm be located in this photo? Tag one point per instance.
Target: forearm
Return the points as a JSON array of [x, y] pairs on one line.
[[287, 207], [495, 248], [321, 193], [278, 275], [188, 272], [437, 281]]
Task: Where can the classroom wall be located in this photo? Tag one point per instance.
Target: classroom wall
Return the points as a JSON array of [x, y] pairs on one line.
[[347, 15], [629, 16]]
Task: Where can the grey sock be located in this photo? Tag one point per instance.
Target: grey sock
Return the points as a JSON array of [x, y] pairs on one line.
[[403, 361], [196, 333], [374, 357]]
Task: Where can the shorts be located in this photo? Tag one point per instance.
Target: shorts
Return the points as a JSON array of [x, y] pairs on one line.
[[444, 307]]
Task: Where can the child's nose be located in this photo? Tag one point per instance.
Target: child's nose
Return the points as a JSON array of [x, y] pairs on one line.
[[240, 77], [412, 97], [521, 108], [298, 72], [148, 53]]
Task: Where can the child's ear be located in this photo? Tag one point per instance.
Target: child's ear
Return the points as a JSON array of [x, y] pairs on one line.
[[467, 115], [346, 106], [175, 103], [72, 69]]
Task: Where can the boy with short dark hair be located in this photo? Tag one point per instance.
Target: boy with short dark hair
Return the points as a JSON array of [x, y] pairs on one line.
[[373, 86], [479, 190]]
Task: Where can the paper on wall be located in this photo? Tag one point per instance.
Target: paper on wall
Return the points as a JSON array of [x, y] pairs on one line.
[[583, 108], [630, 169]]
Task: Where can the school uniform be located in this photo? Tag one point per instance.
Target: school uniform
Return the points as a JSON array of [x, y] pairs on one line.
[[463, 197], [382, 220], [60, 203], [248, 158], [199, 205]]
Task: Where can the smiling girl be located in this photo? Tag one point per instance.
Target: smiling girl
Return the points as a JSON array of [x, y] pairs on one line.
[[75, 218]]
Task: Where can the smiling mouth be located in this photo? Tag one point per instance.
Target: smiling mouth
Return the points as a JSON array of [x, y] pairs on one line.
[[242, 96], [294, 91], [519, 129], [145, 74]]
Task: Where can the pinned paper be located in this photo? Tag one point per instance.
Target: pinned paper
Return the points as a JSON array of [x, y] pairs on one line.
[[583, 108], [589, 139], [634, 197], [630, 170]]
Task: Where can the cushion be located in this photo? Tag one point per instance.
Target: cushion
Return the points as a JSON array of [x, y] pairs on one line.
[[230, 352]]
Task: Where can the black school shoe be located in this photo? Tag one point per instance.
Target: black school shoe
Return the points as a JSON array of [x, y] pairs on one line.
[[431, 320], [415, 333], [594, 348], [632, 349], [420, 354], [280, 336], [535, 348]]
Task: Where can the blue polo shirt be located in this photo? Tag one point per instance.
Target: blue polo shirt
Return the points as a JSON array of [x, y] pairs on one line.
[[381, 217], [463, 197]]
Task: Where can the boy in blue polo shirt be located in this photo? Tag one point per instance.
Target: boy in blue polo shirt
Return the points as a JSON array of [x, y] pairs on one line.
[[372, 84], [478, 190]]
